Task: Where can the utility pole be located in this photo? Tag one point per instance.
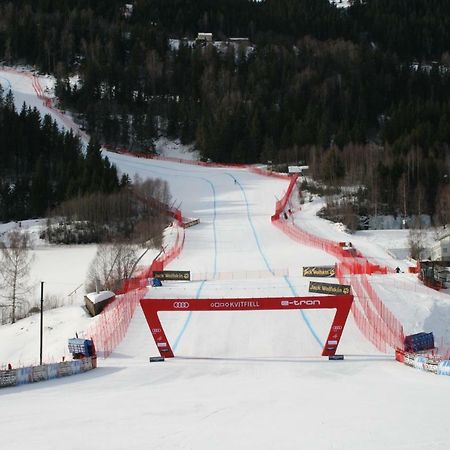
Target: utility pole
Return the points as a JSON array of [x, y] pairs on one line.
[[42, 322]]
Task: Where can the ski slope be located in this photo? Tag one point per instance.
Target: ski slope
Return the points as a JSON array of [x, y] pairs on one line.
[[236, 235], [240, 380]]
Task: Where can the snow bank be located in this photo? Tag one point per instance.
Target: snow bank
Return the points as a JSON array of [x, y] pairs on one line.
[[97, 297]]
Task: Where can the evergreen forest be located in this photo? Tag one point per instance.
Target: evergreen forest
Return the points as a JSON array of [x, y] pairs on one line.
[[41, 166], [360, 94]]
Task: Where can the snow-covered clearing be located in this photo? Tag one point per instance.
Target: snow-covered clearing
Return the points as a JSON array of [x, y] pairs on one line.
[[341, 3], [240, 380], [175, 149]]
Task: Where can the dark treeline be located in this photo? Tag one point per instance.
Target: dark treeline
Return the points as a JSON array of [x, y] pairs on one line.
[[41, 166], [360, 94]]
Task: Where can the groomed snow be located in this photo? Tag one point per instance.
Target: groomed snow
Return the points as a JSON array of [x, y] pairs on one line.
[[240, 380]]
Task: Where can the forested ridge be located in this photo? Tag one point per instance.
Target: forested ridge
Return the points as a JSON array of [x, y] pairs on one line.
[[360, 94], [41, 166]]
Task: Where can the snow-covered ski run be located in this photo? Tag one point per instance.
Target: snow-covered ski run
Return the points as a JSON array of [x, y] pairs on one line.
[[240, 380]]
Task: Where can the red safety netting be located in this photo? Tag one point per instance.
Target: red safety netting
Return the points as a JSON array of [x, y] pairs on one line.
[[198, 163], [373, 318], [192, 162], [48, 103], [169, 256], [366, 328], [112, 323], [394, 329], [250, 168], [281, 204], [40, 93], [35, 83], [164, 208], [371, 315], [269, 173]]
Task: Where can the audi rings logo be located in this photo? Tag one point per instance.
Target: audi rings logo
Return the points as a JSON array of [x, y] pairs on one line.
[[181, 305]]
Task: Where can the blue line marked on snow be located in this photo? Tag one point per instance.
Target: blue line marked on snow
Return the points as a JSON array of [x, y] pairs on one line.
[[255, 234], [163, 168], [214, 228], [199, 290], [304, 316], [291, 287], [188, 319]]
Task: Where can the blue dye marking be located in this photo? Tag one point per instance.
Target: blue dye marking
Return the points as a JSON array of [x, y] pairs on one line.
[[304, 316], [199, 291], [255, 234], [291, 287]]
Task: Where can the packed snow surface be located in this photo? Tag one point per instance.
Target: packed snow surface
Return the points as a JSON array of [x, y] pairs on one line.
[[240, 380]]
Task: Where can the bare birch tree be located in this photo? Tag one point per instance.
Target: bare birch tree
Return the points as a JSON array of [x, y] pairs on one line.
[[416, 241], [15, 264], [112, 264]]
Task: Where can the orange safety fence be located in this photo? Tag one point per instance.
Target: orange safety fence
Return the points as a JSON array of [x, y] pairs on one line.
[[377, 323], [112, 323], [281, 204], [192, 162], [365, 317], [269, 173], [35, 83], [49, 104], [167, 257], [394, 334], [164, 208], [374, 320], [198, 163]]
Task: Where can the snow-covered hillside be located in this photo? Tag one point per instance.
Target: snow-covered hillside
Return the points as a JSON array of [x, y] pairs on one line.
[[341, 3], [241, 380]]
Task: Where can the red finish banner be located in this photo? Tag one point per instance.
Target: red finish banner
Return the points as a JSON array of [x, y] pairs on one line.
[[342, 304]]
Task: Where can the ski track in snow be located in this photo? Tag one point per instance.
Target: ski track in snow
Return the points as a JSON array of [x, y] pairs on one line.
[[240, 380], [269, 268], [188, 319], [185, 325]]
